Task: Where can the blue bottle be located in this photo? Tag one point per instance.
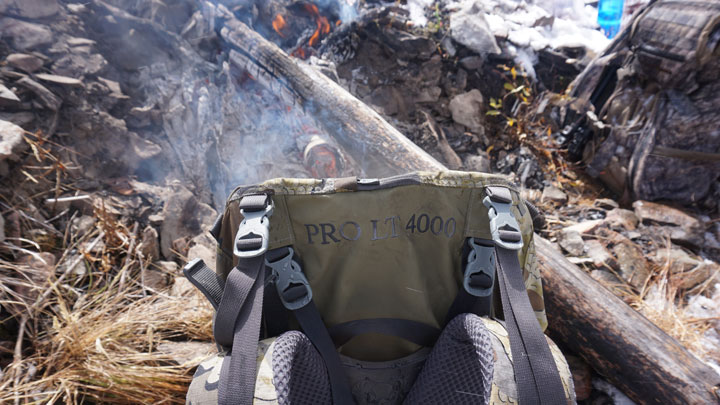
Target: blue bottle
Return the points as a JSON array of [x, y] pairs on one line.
[[609, 16]]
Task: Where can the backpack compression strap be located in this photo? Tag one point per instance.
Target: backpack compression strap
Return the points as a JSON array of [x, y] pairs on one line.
[[536, 375], [239, 311], [296, 295]]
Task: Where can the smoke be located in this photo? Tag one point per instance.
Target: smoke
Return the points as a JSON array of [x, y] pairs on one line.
[[220, 126]]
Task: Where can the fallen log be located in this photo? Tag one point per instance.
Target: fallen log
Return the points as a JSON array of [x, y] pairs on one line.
[[618, 342], [630, 351], [363, 133]]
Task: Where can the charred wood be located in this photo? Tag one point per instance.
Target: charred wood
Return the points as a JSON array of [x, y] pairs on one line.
[[631, 352], [356, 127]]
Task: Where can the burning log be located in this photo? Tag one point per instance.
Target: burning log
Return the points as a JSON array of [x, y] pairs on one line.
[[358, 129]]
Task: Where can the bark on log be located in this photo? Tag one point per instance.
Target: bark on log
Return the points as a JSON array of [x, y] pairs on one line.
[[630, 351], [636, 356], [374, 143]]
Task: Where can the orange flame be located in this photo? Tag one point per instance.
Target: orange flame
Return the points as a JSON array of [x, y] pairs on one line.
[[278, 24], [323, 25]]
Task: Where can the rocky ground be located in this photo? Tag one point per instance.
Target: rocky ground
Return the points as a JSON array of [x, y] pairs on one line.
[[114, 126]]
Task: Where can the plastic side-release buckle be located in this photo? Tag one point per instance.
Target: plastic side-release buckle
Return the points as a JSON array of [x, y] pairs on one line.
[[480, 269], [253, 233], [504, 228], [292, 285]]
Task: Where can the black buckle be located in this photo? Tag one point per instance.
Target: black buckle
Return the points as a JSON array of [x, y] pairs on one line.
[[479, 276], [292, 285]]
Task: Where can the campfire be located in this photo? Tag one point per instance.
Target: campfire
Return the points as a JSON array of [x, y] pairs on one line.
[[124, 125]]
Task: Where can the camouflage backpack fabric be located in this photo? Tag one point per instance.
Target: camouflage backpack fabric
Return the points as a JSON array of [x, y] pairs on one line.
[[645, 116], [421, 288]]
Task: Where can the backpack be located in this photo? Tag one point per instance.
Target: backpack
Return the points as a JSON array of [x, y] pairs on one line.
[[420, 288], [643, 116]]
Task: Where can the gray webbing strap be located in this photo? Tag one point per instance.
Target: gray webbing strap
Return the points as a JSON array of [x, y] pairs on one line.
[[309, 319], [296, 295], [238, 373], [209, 283], [412, 331], [237, 288], [536, 375]]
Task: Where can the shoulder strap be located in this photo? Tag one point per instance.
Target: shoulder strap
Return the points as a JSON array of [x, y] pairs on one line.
[[296, 295], [536, 375]]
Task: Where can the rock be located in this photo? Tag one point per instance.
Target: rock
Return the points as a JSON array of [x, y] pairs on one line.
[[77, 262], [203, 248], [678, 260], [632, 265], [184, 217], [186, 354], [649, 212], [687, 272], [707, 272], [478, 163], [582, 377], [621, 218], [79, 63], [467, 109], [11, 141], [7, 96], [48, 98], [596, 251], [685, 237], [554, 195], [156, 219], [150, 245], [39, 267], [605, 278], [25, 62], [167, 267], [606, 203], [469, 27], [61, 80], [25, 35], [18, 118], [154, 279], [75, 41], [30, 8], [629, 260], [471, 62], [181, 287], [585, 227], [82, 224], [571, 242]]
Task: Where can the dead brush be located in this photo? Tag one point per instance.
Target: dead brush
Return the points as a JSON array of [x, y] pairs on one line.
[[665, 305], [97, 336], [101, 345]]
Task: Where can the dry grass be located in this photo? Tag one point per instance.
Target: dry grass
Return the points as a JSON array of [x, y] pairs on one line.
[[98, 342], [86, 329]]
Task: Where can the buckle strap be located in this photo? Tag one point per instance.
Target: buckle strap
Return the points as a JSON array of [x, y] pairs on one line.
[[504, 228], [295, 294], [254, 202], [237, 288], [253, 233], [292, 285], [536, 373], [205, 280], [480, 269]]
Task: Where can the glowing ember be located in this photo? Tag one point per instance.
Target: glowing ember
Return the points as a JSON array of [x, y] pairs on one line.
[[278, 24]]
